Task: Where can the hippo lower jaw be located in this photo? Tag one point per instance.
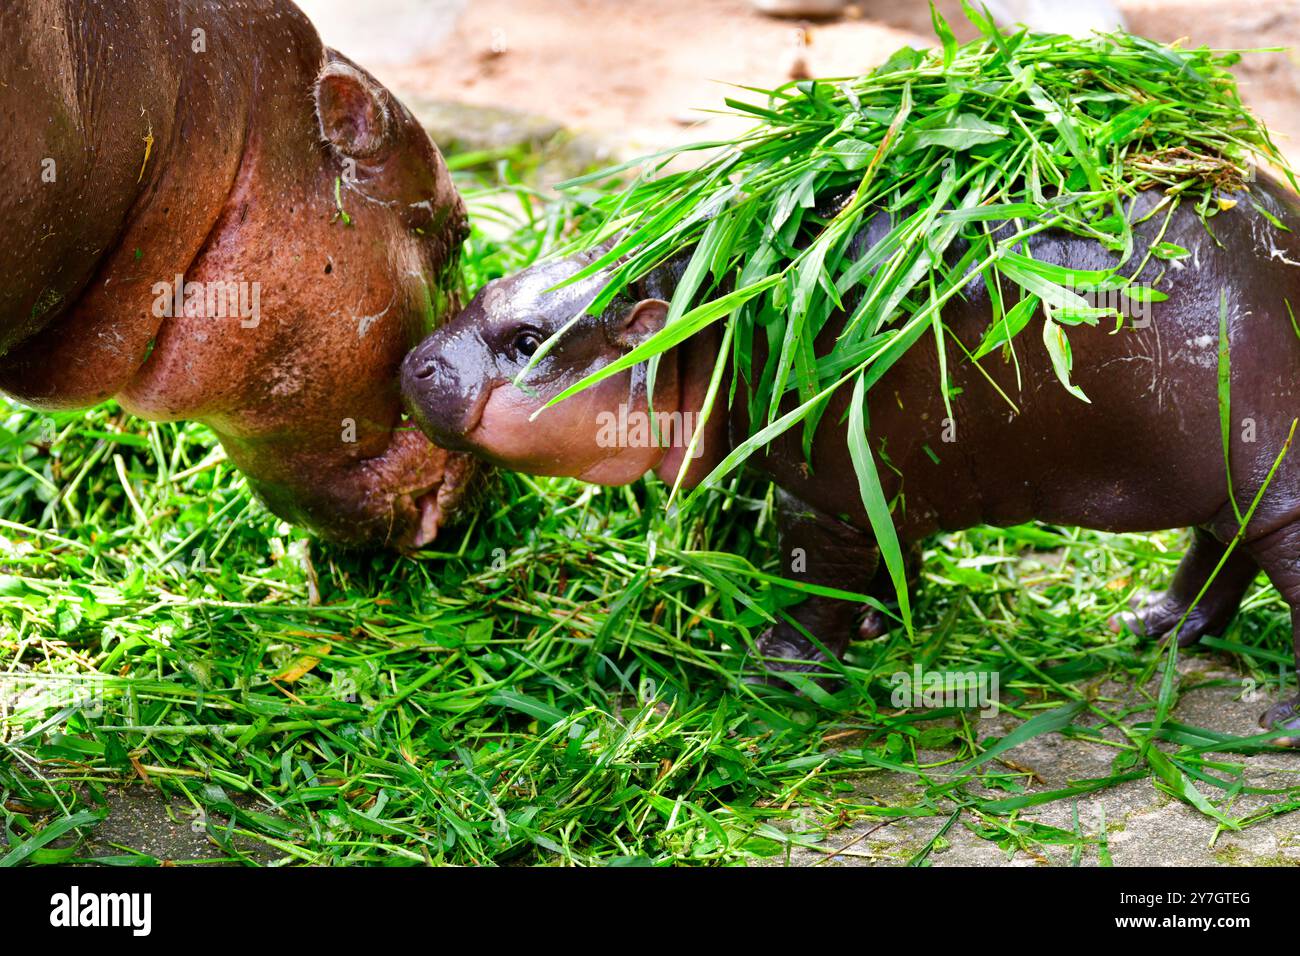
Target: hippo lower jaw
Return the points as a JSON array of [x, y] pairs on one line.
[[436, 505], [399, 498], [470, 440], [406, 518]]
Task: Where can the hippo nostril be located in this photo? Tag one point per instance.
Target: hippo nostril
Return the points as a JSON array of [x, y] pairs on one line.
[[443, 387], [418, 367]]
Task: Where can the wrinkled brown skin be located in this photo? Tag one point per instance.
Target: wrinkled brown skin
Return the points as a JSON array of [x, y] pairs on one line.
[[221, 165], [1144, 454]]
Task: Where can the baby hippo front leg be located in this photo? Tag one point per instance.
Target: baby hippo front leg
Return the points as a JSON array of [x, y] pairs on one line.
[[820, 550]]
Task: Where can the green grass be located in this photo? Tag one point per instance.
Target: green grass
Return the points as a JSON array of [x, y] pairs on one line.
[[559, 682]]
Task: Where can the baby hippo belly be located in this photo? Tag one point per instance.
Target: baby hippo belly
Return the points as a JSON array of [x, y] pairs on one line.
[[1144, 453]]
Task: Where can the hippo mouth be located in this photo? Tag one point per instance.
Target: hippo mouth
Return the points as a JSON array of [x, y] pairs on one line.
[[477, 436], [467, 441], [503, 426], [438, 502], [433, 507]]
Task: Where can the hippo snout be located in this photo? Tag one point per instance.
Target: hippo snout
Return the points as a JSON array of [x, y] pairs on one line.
[[445, 387]]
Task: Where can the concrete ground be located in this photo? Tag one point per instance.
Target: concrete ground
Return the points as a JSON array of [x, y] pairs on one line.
[[140, 819], [1142, 826]]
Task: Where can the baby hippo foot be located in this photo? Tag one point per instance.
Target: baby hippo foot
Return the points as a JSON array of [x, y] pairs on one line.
[[1284, 715], [837, 555], [874, 623], [1158, 617], [782, 649]]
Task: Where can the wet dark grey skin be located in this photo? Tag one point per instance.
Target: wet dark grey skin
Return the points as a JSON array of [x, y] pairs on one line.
[[1145, 454]]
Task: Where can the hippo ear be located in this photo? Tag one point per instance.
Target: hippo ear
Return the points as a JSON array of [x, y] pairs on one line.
[[642, 321], [351, 110]]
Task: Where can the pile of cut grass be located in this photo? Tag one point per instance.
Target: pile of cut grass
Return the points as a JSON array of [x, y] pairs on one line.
[[559, 682]]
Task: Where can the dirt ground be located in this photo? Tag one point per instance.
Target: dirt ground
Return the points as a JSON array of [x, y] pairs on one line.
[[641, 73]]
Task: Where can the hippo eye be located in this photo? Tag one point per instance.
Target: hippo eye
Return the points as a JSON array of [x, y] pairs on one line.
[[526, 343]]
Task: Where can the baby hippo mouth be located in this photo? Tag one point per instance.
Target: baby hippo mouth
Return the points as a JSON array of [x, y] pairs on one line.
[[446, 415], [605, 434], [445, 387]]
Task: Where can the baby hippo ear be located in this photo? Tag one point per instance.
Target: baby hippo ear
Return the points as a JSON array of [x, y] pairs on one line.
[[351, 110], [640, 322]]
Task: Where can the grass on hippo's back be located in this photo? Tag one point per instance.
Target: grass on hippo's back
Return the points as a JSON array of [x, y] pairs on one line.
[[558, 682]]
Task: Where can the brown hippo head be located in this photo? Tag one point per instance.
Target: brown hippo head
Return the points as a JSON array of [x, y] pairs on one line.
[[244, 228]]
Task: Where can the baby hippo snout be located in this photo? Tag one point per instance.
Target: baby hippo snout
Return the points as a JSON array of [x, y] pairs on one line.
[[443, 386]]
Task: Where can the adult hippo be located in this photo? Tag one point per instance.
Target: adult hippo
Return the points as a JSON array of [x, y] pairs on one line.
[[210, 215], [1145, 453]]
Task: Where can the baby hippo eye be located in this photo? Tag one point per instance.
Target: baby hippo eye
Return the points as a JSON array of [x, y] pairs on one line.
[[526, 343]]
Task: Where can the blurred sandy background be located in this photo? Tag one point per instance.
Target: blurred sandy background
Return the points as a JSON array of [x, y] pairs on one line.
[[639, 74]]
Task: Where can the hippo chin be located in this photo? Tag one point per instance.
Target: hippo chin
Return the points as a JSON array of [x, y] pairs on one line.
[[1144, 454], [212, 216]]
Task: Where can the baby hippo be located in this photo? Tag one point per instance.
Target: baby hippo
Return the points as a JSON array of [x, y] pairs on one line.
[[1144, 453]]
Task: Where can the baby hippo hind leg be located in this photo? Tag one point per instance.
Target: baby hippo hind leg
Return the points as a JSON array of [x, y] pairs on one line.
[[1278, 554], [821, 550], [1157, 618]]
